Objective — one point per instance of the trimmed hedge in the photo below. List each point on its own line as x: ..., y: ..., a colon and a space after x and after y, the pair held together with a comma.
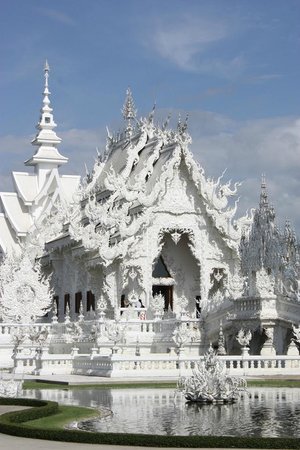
x: 13, y: 423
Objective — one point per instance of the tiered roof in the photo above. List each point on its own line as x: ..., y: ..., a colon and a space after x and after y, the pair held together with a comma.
x: 37, y: 192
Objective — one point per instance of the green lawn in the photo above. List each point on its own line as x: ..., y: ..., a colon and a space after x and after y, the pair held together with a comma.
x: 65, y: 415
x: 154, y: 384
x: 274, y: 383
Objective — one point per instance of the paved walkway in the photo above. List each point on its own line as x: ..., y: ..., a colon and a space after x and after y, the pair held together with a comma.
x: 87, y: 379
x: 11, y: 408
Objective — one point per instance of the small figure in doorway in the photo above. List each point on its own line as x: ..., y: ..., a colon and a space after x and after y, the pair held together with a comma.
x: 198, y: 307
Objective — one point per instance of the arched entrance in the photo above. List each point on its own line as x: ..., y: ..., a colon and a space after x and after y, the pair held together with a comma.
x: 176, y: 273
x: 164, y: 284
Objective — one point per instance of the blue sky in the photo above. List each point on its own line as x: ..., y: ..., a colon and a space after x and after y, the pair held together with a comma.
x: 233, y: 65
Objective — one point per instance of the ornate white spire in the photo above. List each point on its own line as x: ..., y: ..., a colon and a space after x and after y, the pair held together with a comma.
x: 46, y: 124
x: 263, y: 247
x: 46, y: 138
x: 264, y: 202
x: 129, y: 111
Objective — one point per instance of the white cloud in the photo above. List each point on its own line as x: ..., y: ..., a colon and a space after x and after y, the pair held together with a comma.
x: 187, y: 41
x: 58, y: 16
x: 79, y: 145
x: 248, y: 149
x: 179, y: 42
x: 13, y: 145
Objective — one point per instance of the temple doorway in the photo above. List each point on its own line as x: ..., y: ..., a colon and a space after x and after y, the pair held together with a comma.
x: 167, y: 292
x: 176, y: 274
x: 163, y: 283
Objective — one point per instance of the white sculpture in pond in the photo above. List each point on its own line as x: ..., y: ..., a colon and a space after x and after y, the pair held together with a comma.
x: 210, y: 383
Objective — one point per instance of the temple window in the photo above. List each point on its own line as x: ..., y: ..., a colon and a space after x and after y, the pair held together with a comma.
x: 90, y: 301
x: 56, y: 300
x: 78, y: 298
x: 67, y: 302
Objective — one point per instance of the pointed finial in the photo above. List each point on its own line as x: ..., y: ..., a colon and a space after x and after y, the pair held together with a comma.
x: 46, y: 71
x: 151, y: 115
x: 46, y: 66
x: 129, y: 111
x: 263, y: 193
x: 46, y: 139
x: 179, y: 122
x: 185, y: 124
x: 186, y: 119
x: 109, y: 135
x: 166, y: 122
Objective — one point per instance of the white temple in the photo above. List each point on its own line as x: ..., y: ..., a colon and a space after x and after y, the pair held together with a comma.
x: 147, y: 260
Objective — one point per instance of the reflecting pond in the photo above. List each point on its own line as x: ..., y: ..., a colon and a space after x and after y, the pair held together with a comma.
x: 270, y: 412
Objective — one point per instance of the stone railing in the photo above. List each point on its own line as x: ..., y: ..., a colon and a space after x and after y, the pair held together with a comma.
x: 43, y: 363
x: 144, y: 325
x: 153, y: 365
x: 170, y: 367
x: 8, y: 328
x: 247, y: 304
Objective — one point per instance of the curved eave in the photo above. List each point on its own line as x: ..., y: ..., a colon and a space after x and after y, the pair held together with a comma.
x: 8, y: 239
x: 26, y: 186
x: 16, y: 213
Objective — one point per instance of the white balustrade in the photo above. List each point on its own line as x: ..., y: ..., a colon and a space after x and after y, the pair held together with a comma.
x: 34, y: 359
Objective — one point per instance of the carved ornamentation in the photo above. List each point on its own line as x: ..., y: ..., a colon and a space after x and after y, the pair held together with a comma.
x: 265, y: 284
x: 25, y: 293
x: 157, y: 304
x: 181, y: 335
x: 244, y: 337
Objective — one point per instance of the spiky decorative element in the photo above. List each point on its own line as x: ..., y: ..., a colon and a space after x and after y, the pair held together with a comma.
x: 158, y: 303
x: 244, y: 337
x: 129, y: 111
x: 210, y: 383
x: 181, y: 335
x: 25, y: 295
x: 262, y: 247
x: 271, y: 254
x: 221, y: 341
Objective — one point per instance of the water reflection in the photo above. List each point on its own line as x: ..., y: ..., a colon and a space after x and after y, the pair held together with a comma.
x: 266, y: 412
